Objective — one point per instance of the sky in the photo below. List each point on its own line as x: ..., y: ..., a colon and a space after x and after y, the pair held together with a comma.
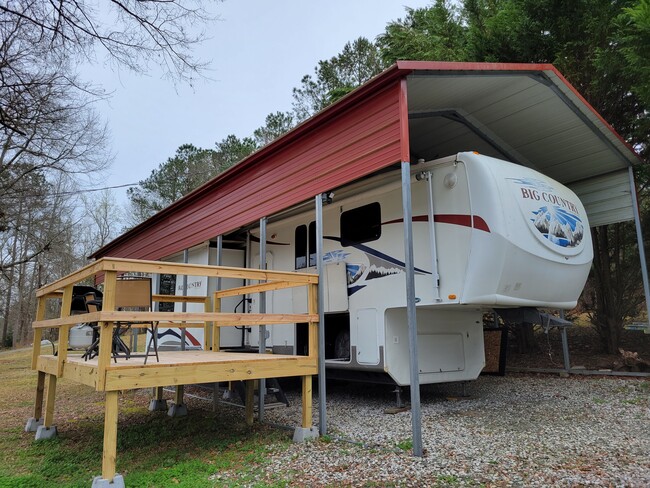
x: 258, y: 51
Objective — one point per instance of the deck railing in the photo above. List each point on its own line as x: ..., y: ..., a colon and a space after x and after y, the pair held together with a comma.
x: 211, y: 319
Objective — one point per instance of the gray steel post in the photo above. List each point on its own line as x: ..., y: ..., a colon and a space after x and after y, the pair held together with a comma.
x: 565, y: 345
x: 219, y: 263
x: 416, y: 415
x: 639, y: 238
x: 262, y: 329
x: 186, y: 259
x: 219, y: 257
x: 215, y: 390
x: 322, y: 412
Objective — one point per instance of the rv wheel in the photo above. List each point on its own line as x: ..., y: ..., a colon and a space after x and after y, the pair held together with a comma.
x: 342, y: 345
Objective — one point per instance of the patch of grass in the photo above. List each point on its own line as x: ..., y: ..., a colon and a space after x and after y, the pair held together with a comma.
x: 153, y: 449
x: 405, y: 445
x: 448, y: 479
x: 599, y: 401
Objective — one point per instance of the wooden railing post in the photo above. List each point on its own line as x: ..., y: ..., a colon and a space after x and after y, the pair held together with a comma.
x: 106, y: 329
x: 216, y: 330
x: 64, y: 330
x: 38, y: 333
x: 207, y: 328
x: 313, y: 325
x: 312, y: 307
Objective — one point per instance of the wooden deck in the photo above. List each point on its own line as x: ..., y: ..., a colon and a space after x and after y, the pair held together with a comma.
x: 179, y: 368
x: 175, y: 368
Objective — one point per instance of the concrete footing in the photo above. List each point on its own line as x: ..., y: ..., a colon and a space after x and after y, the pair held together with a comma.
x: 33, y: 424
x: 157, y: 405
x: 43, y: 433
x: 99, y: 482
x: 302, y: 434
x: 179, y: 410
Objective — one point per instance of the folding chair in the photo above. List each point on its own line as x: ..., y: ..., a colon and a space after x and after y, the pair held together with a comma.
x: 134, y: 294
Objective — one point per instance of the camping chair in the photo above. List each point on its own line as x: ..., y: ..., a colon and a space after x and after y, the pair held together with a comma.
x: 134, y: 294
x: 93, y: 303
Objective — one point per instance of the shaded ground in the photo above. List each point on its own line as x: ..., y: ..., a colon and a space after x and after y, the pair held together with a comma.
x: 584, y: 349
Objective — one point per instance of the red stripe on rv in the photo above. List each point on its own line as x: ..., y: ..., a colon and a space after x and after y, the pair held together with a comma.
x: 192, y: 338
x: 453, y: 219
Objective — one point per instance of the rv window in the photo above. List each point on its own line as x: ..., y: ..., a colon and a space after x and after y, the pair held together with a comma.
x: 301, y: 246
x: 312, y: 244
x: 362, y: 224
x: 166, y: 287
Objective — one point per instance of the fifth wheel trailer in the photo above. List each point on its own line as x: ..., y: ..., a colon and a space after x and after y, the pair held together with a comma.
x: 487, y: 234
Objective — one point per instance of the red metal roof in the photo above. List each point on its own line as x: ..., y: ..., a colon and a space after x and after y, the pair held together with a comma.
x: 328, y: 150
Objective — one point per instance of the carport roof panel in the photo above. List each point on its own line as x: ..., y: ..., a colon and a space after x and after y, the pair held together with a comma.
x: 531, y: 112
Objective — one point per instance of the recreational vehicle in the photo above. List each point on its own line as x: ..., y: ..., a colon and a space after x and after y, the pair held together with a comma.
x: 487, y: 234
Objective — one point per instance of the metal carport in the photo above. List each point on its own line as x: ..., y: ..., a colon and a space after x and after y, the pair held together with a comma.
x: 525, y: 113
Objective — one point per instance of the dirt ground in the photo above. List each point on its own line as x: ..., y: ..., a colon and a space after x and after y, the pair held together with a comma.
x: 584, y: 349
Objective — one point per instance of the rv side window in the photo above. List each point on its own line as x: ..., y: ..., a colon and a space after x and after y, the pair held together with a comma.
x: 362, y: 224
x: 301, y: 246
x: 166, y: 286
x: 312, y: 244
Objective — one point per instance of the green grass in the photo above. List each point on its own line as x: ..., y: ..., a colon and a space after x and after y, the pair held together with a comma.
x: 205, y: 449
x: 405, y: 445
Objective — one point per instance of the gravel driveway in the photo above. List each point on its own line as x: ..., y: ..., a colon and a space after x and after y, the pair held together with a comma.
x: 519, y: 430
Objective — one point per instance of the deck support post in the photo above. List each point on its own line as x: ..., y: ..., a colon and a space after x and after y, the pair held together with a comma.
x: 157, y: 402
x: 37, y: 420
x: 249, y: 403
x: 48, y: 430
x: 178, y: 408
x: 306, y: 431
x: 109, y: 477
x: 416, y: 416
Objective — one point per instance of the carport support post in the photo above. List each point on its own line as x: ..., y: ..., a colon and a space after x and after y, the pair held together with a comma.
x: 639, y: 238
x: 262, y: 329
x: 416, y: 415
x: 322, y: 413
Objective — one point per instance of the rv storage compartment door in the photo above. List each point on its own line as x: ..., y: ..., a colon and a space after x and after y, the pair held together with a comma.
x: 367, y: 340
x: 440, y: 353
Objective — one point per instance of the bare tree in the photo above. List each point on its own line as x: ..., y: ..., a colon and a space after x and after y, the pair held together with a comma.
x: 50, y: 137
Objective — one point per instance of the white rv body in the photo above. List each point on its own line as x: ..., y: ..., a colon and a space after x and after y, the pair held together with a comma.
x: 504, y: 236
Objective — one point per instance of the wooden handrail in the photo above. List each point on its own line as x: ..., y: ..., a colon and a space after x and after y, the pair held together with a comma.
x: 133, y: 265
x: 251, y: 289
x: 196, y: 317
x: 178, y: 298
